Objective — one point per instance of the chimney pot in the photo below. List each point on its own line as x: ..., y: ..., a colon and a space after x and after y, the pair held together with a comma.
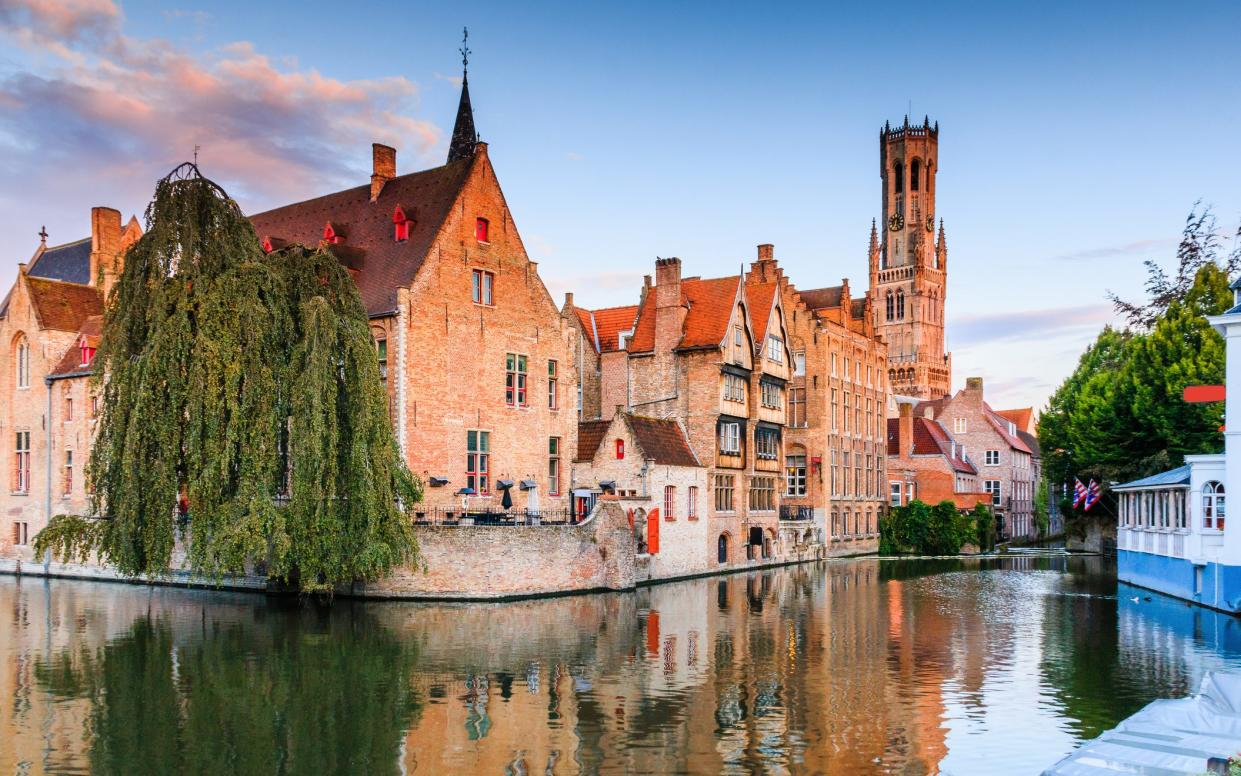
x: 667, y: 271
x: 766, y: 252
x: 973, y: 383
x: 568, y: 299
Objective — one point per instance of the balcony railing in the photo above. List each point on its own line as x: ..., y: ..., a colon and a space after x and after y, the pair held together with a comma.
x: 450, y: 516
x: 796, y: 512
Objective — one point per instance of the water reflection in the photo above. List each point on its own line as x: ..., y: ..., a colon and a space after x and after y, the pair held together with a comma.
x: 908, y: 667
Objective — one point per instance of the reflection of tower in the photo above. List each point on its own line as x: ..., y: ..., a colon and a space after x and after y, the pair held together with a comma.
x: 909, y: 263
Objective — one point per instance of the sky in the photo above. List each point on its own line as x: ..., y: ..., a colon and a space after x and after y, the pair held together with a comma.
x: 1074, y: 137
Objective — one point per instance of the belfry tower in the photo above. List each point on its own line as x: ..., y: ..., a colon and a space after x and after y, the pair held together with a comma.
x: 909, y: 263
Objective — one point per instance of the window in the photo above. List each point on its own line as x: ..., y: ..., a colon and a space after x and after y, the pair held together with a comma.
x: 835, y: 410
x: 381, y: 353
x: 898, y: 178
x: 896, y: 493
x: 553, y: 385
x: 959, y: 425
x: 331, y: 235
x: 620, y: 449
x: 670, y: 503
x: 992, y: 457
x: 400, y: 225
x: 795, y: 475
x: 738, y: 338
x: 846, y: 427
x: 730, y: 438
x: 88, y: 353
x: 799, y: 363
x: 889, y: 305
x: 734, y: 388
x: 1213, y: 506
x: 915, y: 169
x: 483, y: 284
x: 767, y: 444
x: 724, y: 488
x: 94, y: 406
x: 481, y: 230
x: 844, y: 524
x: 992, y: 487
x: 23, y: 362
x: 478, y: 461
x: 514, y: 380
x: 763, y: 494
x: 21, y: 533
x: 553, y: 466
x: 68, y: 408
x: 900, y: 304
x: 797, y: 407
x: 775, y: 349
x: 691, y: 503
x: 68, y: 472
x: 21, y: 479
x: 770, y: 393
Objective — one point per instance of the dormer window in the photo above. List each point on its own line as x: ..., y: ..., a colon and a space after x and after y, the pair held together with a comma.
x: 267, y: 248
x: 481, y: 230
x: 88, y: 353
x: 620, y: 449
x: 400, y: 225
x: 330, y: 234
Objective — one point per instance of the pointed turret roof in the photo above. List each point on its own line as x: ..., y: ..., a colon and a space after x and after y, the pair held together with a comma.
x: 464, y: 136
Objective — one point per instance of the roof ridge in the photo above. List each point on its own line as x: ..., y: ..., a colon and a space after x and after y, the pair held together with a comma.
x: 365, y: 186
x: 68, y: 244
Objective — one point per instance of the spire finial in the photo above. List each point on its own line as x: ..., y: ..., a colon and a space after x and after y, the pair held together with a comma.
x: 464, y: 136
x: 43, y: 236
x: 465, y: 49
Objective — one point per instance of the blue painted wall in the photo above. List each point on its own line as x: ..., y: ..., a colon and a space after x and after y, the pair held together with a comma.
x: 1220, y: 587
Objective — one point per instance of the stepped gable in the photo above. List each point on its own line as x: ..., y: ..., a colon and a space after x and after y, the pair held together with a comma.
x: 379, y: 263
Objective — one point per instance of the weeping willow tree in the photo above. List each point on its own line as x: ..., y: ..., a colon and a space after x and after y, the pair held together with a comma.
x: 245, y: 385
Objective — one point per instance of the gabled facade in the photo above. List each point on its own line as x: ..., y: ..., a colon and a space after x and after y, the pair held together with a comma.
x: 926, y: 463
x: 659, y: 481
x: 1008, y: 466
x: 49, y: 329
x: 836, y: 454
x: 479, y: 364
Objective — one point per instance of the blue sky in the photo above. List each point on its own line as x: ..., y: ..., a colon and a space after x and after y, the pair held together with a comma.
x: 1074, y: 140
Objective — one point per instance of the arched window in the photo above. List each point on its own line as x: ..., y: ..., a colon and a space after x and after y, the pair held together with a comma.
x: 900, y: 304
x: 400, y: 225
x: 915, y: 170
x: 21, y: 360
x: 1213, y: 506
x: 721, y: 548
x: 891, y: 306
x: 898, y: 178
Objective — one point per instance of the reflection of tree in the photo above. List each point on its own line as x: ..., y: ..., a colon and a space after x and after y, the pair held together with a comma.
x: 311, y: 692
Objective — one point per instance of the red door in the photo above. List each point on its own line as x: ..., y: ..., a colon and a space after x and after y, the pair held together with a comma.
x: 652, y: 531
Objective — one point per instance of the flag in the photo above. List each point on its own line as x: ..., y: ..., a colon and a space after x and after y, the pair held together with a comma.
x: 1093, y: 493
x: 1079, y: 492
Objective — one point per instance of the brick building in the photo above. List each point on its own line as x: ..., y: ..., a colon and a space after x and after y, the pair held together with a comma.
x: 479, y: 363
x: 908, y: 266
x: 49, y: 329
x: 1007, y: 458
x: 598, y: 341
x: 835, y: 454
x: 660, y: 482
x: 925, y: 463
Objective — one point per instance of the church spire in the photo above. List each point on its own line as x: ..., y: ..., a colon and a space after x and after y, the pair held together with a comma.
x: 464, y: 136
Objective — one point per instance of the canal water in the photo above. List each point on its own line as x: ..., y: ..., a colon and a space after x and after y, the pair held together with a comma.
x: 861, y: 666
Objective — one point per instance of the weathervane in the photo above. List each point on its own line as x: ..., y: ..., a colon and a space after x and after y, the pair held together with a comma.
x: 465, y: 48
x: 43, y: 235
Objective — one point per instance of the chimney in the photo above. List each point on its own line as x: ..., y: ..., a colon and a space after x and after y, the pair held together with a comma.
x: 568, y: 300
x: 105, y: 243
x: 766, y: 252
x: 383, y: 167
x: 973, y: 391
x: 669, y: 311
x: 906, y: 441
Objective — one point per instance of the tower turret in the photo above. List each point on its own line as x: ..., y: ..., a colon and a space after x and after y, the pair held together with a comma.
x: 464, y: 136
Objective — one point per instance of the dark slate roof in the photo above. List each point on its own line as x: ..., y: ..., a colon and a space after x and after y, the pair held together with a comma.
x: 69, y: 262
x: 71, y: 362
x: 819, y: 298
x: 662, y: 441
x: 1176, y: 477
x: 1031, y: 442
x: 381, y: 263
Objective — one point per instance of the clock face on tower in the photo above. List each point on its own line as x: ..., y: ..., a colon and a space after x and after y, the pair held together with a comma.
x: 896, y: 222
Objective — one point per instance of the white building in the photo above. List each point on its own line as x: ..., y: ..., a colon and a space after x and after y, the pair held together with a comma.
x: 1172, y: 535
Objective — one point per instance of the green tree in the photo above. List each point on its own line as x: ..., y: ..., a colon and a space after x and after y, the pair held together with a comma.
x: 1041, y: 517
x: 918, y: 528
x: 247, y: 384
x: 984, y: 526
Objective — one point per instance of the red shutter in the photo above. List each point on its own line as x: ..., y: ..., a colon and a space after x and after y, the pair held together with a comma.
x: 652, y: 532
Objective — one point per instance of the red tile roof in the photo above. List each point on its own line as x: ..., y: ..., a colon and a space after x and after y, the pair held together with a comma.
x: 1000, y: 424
x: 662, y: 441
x: 63, y: 306
x: 1020, y: 417
x: 706, y: 322
x: 603, y: 326
x: 383, y: 264
x: 820, y: 298
x: 930, y: 438
x: 762, y: 297
x: 71, y: 362
x: 590, y: 434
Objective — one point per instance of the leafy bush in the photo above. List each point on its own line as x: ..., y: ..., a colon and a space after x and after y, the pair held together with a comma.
x: 918, y: 528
